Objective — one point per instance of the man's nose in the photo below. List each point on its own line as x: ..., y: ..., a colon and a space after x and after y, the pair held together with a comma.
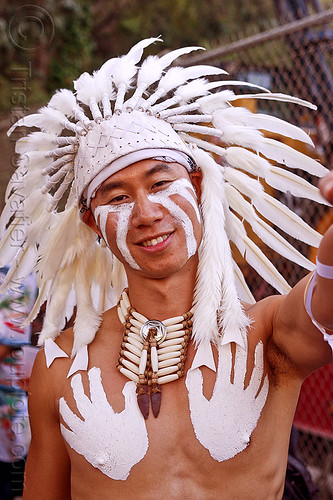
x: 146, y: 212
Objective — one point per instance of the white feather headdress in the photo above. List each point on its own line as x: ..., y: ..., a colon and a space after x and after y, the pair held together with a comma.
x: 123, y: 107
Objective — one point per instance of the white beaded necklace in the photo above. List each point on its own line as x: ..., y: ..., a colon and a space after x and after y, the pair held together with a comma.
x: 152, y: 353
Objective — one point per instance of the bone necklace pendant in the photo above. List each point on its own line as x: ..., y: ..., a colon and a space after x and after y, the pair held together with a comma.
x: 152, y: 352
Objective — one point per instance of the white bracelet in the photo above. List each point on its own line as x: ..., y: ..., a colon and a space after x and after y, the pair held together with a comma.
x: 308, y: 299
x: 324, y: 271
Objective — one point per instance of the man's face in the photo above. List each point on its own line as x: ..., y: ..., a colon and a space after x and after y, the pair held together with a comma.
x: 148, y: 215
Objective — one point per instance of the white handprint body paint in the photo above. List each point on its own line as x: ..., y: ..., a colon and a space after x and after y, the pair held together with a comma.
x: 116, y: 442
x: 124, y: 212
x: 224, y: 423
x: 111, y: 442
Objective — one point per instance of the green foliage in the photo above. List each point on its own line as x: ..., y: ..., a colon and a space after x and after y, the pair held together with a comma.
x: 73, y: 46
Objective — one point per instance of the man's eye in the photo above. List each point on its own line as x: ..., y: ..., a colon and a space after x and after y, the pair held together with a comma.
x: 118, y: 199
x: 161, y: 184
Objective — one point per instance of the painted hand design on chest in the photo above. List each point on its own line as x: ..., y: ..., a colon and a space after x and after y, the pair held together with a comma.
x: 124, y: 212
x: 224, y: 423
x: 111, y: 442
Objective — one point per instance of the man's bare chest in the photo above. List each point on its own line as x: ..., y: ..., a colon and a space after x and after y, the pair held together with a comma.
x: 101, y: 420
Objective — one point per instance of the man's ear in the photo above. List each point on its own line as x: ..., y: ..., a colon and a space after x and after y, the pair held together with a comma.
x: 89, y: 219
x: 196, y: 179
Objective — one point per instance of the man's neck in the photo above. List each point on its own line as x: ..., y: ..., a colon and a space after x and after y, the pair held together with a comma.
x: 163, y: 298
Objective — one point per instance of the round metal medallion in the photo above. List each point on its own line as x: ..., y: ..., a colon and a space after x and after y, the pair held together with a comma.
x: 160, y: 328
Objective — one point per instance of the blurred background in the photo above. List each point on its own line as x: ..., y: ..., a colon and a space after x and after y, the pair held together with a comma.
x: 283, y: 45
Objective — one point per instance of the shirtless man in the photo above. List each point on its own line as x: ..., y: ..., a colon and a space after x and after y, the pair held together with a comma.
x: 165, y: 410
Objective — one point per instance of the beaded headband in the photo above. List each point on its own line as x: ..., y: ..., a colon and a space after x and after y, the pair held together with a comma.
x: 122, y: 108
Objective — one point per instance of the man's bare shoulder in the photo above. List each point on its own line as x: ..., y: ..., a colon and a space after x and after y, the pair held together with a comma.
x: 262, y: 315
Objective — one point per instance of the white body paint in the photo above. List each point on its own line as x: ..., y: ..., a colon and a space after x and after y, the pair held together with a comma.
x: 111, y: 442
x: 125, y: 210
x: 224, y: 423
x: 115, y: 442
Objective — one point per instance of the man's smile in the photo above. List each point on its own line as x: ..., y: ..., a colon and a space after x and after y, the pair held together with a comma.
x: 154, y: 241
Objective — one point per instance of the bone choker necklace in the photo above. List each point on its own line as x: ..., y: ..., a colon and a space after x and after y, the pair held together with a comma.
x: 152, y: 352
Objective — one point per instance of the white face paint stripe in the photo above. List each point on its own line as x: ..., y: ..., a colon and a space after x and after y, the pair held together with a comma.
x: 124, y: 212
x: 124, y: 215
x: 179, y: 214
x: 180, y: 187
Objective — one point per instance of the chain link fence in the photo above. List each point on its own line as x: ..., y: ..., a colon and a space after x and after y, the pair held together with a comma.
x: 297, y: 59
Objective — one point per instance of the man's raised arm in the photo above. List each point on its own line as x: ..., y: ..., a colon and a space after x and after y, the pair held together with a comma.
x: 303, y: 327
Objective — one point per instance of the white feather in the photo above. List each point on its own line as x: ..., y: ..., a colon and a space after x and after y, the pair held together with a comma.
x: 193, y: 89
x: 57, y: 300
x: 246, y: 160
x: 197, y: 129
x: 256, y: 258
x: 15, y: 235
x: 276, y: 97
x: 36, y: 141
x: 39, y: 227
x: 242, y: 116
x: 59, y: 242
x: 215, y: 289
x: 286, y: 155
x: 102, y: 275
x: 135, y: 53
x: 285, y: 181
x: 85, y: 87
x: 49, y: 330
x: 177, y: 76
x: 213, y: 102
x: 272, y: 209
x: 47, y: 119
x: 265, y: 232
x: 20, y: 268
x: 124, y: 68
x: 8, y: 244
x: 43, y: 292
x: 87, y: 319
x: 245, y: 136
x: 237, y: 83
x: 168, y: 58
x: 205, y: 145
x: 150, y: 71
x: 242, y: 288
x: 64, y: 101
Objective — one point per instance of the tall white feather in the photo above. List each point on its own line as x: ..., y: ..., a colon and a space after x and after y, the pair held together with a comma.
x: 151, y: 71
x: 284, y: 154
x: 272, y: 209
x: 243, y: 116
x: 87, y: 319
x: 215, y: 294
x: 272, y: 96
x: 265, y: 232
x: 256, y: 258
x: 242, y: 288
x: 177, y: 76
x: 47, y: 119
x: 124, y: 69
x: 213, y: 102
